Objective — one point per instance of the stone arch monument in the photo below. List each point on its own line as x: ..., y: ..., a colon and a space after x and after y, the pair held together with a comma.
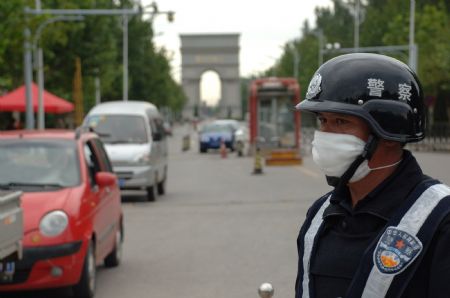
x: 217, y: 52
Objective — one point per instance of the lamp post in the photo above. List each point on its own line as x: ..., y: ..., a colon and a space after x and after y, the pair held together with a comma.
x: 331, y: 47
x: 170, y: 17
x: 320, y: 38
x: 40, y: 63
x: 412, y: 46
x: 97, y: 86
x: 125, y: 58
x: 356, y: 31
x: 27, y: 55
x: 28, y: 75
x: 296, y: 61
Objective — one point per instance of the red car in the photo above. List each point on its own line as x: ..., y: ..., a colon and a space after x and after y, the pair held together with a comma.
x: 71, y: 203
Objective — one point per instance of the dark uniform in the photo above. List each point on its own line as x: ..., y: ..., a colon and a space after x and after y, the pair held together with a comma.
x: 395, y: 242
x: 347, y: 232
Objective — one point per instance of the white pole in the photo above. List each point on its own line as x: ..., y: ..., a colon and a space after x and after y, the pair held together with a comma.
x: 28, y: 73
x: 40, y: 70
x: 356, y: 31
x: 97, y: 90
x: 320, y: 47
x: 125, y: 58
x: 412, y: 63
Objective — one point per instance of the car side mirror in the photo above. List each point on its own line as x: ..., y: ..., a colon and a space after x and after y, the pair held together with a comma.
x: 105, y: 179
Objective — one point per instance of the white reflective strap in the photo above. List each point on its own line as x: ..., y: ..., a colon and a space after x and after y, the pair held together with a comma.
x: 378, y: 283
x: 308, y: 245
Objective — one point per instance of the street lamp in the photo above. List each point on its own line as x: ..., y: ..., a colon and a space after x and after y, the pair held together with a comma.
x: 27, y: 55
x: 155, y: 11
x: 412, y: 46
x: 356, y: 29
x: 320, y: 38
x: 333, y: 46
x: 170, y: 17
x: 40, y: 63
x: 296, y: 60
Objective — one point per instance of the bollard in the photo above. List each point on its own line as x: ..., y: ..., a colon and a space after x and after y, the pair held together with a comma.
x: 240, y: 148
x: 257, y: 167
x: 223, y: 149
x: 186, y: 143
x: 266, y: 290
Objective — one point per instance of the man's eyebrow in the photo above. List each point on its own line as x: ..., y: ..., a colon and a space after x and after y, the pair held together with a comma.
x: 335, y: 115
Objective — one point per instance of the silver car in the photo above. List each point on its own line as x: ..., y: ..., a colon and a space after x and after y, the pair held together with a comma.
x: 135, y: 140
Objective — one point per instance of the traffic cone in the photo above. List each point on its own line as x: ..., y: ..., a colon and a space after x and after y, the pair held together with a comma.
x: 223, y: 149
x: 257, y: 168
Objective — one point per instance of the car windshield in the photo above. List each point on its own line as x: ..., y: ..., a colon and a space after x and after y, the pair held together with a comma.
x: 117, y: 129
x: 215, y: 127
x: 233, y: 124
x: 26, y: 164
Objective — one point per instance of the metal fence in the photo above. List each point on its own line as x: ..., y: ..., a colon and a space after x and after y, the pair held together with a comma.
x: 437, y: 138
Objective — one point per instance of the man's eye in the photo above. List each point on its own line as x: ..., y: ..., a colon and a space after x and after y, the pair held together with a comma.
x: 341, y: 121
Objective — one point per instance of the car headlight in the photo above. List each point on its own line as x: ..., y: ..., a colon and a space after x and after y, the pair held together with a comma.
x: 143, y: 158
x: 53, y: 223
x: 204, y: 138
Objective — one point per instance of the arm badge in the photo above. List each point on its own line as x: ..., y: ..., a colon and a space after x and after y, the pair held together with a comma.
x: 395, y: 251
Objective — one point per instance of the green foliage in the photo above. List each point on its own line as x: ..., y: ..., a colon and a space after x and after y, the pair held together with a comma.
x: 97, y: 40
x: 383, y: 23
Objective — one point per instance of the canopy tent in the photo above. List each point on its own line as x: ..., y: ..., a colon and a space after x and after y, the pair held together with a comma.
x: 15, y: 101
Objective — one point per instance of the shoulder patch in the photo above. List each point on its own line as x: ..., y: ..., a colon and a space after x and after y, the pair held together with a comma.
x: 395, y: 251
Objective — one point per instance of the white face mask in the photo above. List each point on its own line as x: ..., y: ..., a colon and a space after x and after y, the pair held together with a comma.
x: 334, y: 153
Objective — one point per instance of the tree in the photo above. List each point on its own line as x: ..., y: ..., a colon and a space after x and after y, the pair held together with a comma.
x: 97, y: 40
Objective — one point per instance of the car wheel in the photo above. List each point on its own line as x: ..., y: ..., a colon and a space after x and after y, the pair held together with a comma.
x: 114, y: 258
x: 162, y: 187
x: 152, y: 191
x: 85, y: 288
x: 203, y: 149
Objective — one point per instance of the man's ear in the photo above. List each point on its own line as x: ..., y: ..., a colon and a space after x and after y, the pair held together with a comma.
x: 392, y: 146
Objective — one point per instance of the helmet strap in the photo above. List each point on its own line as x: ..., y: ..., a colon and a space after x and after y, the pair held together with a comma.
x: 369, y: 149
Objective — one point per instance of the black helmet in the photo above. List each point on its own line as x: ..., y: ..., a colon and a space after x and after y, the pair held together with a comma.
x: 380, y: 89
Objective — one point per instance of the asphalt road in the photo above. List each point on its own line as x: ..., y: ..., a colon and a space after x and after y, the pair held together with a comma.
x: 219, y: 231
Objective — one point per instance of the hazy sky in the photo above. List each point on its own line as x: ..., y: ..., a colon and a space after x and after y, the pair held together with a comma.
x: 264, y: 26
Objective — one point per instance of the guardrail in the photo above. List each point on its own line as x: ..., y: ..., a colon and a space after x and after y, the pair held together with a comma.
x: 437, y: 138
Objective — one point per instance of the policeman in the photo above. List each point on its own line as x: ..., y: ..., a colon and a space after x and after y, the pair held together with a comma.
x: 384, y: 229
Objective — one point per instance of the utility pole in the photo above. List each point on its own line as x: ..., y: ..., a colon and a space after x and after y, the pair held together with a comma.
x: 320, y: 36
x: 296, y: 60
x: 412, y: 47
x: 40, y: 63
x: 28, y: 74
x: 97, y: 87
x: 356, y: 31
x: 61, y: 12
x: 125, y: 58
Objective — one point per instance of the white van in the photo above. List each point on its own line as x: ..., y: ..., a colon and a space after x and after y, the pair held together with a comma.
x: 134, y: 138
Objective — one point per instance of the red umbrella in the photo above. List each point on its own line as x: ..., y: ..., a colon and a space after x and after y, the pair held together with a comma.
x: 15, y: 101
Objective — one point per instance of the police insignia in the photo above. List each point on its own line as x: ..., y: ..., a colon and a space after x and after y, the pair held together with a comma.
x: 395, y: 251
x: 314, y: 86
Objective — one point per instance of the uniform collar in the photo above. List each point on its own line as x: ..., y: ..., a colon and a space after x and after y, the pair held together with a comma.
x: 386, y: 197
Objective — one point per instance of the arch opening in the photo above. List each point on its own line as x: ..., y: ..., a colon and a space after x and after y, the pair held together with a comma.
x: 210, y: 88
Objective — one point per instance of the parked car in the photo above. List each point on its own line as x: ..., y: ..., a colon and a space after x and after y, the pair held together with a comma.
x: 11, y: 230
x: 167, y: 128
x: 135, y: 139
x: 240, y: 131
x: 73, y: 220
x: 212, y: 134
